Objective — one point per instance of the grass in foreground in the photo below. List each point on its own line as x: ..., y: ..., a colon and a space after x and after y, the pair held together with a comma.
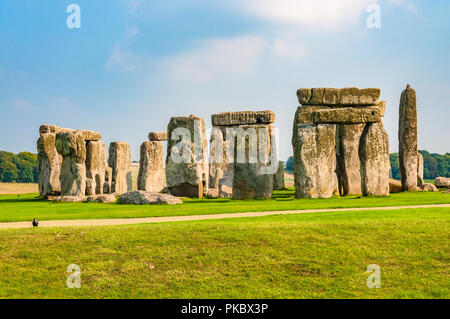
x: 27, y: 207
x: 321, y: 255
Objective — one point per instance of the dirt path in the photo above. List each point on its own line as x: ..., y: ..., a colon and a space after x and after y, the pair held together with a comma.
x: 131, y: 221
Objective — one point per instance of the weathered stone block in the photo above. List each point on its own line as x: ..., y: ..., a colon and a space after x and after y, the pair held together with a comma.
x: 347, y: 115
x: 375, y: 163
x: 70, y: 144
x: 304, y: 114
x: 339, y: 97
x: 49, y: 165
x: 314, y: 160
x: 186, y: 162
x: 442, y: 182
x: 278, y: 178
x: 119, y: 160
x: 408, y: 139
x: 152, y: 172
x: 420, y: 180
x: 348, y: 163
x: 242, y: 118
x: 157, y: 136
x: 96, y: 165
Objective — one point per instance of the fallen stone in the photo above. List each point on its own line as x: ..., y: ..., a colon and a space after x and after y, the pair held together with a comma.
x: 347, y: 115
x: 375, y: 162
x: 152, y: 172
x: 408, y: 139
x: 157, y: 136
x: 147, y: 198
x: 225, y: 188
x: 395, y: 186
x: 67, y: 199
x: 119, y: 160
x: 104, y: 198
x: 427, y: 187
x: 442, y: 182
x: 242, y: 118
x: 314, y: 160
x: 213, y: 193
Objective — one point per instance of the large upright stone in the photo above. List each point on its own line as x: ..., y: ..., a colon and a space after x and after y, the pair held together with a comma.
x: 221, y: 159
x: 186, y: 162
x: 348, y: 163
x: 70, y: 144
x: 49, y: 165
x: 278, y: 178
x: 253, y: 170
x: 152, y: 173
x: 119, y: 160
x: 408, y: 139
x: 96, y: 165
x: 420, y: 168
x: 375, y: 163
x: 314, y: 157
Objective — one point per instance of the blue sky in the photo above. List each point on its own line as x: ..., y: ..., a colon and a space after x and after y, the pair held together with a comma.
x: 135, y: 63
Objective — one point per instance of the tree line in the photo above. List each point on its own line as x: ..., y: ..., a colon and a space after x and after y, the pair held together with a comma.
x: 18, y: 168
x: 435, y: 165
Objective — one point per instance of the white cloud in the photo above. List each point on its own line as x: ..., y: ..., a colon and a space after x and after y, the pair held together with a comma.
x: 21, y: 104
x: 121, y: 60
x: 408, y: 4
x: 290, y: 47
x: 235, y: 56
x: 132, y: 5
x: 326, y: 15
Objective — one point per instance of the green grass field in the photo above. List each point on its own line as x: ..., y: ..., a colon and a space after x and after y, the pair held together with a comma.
x: 321, y: 255
x: 27, y: 207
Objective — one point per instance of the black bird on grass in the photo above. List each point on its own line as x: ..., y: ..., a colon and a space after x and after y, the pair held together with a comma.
x: 35, y: 223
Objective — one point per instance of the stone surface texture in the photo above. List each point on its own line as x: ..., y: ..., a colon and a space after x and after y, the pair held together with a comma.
x: 243, y: 118
x: 314, y: 160
x: 187, y: 158
x: 278, y: 178
x: 338, y: 97
x: 374, y: 160
x: 420, y: 180
x: 442, y: 182
x: 408, y: 139
x: 49, y: 165
x: 119, y: 160
x: 157, y: 136
x: 152, y: 172
x: 71, y: 145
x: 96, y: 165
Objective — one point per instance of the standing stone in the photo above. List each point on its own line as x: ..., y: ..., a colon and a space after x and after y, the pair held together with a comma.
x: 186, y: 162
x: 70, y: 144
x: 314, y: 159
x: 49, y: 165
x: 221, y: 168
x: 348, y: 163
x: 408, y: 139
x: 152, y: 173
x: 253, y: 177
x: 420, y: 180
x: 119, y: 160
x: 96, y: 165
x: 278, y: 178
x: 375, y: 164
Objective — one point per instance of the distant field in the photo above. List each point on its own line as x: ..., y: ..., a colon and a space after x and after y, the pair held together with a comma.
x: 322, y: 255
x: 13, y: 188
